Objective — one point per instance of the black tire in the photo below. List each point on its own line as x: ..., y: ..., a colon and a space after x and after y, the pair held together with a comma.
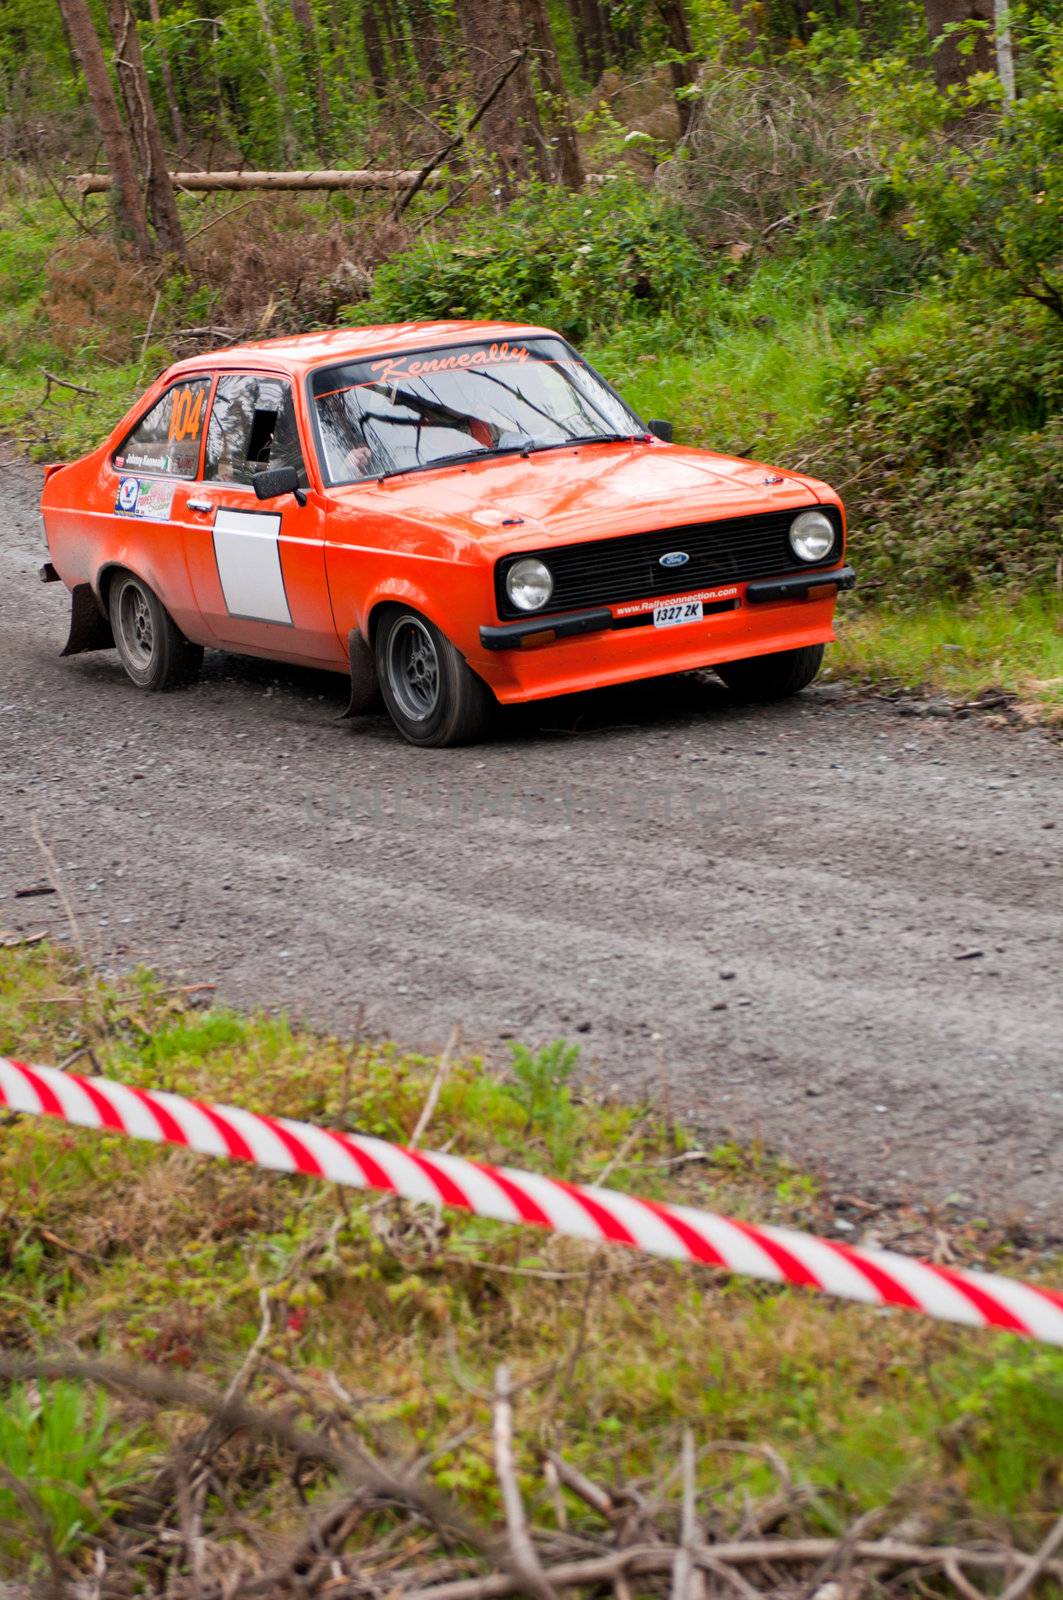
x: 432, y: 696
x: 773, y: 677
x: 152, y: 649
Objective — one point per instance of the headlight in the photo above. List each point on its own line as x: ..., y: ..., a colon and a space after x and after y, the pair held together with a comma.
x: 811, y: 536
x: 529, y: 584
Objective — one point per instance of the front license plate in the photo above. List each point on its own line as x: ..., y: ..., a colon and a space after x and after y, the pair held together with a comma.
x: 672, y: 616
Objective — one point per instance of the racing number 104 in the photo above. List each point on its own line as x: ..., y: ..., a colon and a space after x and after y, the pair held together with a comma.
x: 187, y: 409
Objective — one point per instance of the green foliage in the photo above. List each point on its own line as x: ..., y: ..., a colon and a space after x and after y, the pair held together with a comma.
x: 540, y: 1087
x: 572, y: 262
x: 993, y: 210
x: 943, y: 438
x: 61, y: 1444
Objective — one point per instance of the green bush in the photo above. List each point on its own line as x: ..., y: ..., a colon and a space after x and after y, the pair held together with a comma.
x: 573, y: 262
x: 946, y: 445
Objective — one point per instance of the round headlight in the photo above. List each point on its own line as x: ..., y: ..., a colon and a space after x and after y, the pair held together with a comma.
x: 529, y: 584
x: 812, y: 536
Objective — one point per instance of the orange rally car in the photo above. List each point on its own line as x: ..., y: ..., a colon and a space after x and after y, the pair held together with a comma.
x: 453, y: 513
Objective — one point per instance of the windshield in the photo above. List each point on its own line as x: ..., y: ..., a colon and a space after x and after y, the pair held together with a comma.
x: 402, y: 412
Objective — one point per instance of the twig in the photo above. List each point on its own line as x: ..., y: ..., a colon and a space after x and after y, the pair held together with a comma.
x: 960, y: 1582
x: 232, y: 212
x: 685, y: 1577
x: 147, y: 333
x: 167, y: 1389
x: 442, y: 1072
x: 459, y: 138
x: 590, y: 1493
x: 64, y: 383
x: 1039, y: 1564
x: 648, y: 1559
x: 526, y: 1563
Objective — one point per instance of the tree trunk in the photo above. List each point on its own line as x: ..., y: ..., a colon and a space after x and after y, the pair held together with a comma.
x: 128, y: 200
x: 177, y: 124
x: 511, y: 128
x: 683, y: 74
x: 952, y: 69
x: 427, y: 46
x: 592, y: 30
x: 1005, y: 58
x: 566, y: 149
x: 374, y: 48
x: 311, y: 55
x: 140, y: 112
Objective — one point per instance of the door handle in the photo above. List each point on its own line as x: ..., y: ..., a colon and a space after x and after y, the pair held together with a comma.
x: 200, y: 505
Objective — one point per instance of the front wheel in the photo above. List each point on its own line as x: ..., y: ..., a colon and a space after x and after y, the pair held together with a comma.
x: 773, y: 677
x: 151, y: 647
x: 432, y: 695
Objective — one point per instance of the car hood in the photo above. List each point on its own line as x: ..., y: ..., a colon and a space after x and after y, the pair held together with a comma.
x: 584, y: 492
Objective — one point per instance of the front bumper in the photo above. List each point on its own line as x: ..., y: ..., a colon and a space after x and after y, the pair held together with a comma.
x: 760, y: 591
x: 546, y: 656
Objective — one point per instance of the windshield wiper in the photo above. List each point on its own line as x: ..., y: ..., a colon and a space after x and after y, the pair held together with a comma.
x: 634, y: 437
x: 454, y: 461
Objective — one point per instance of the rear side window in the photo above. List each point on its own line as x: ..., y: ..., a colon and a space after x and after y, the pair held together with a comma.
x: 252, y: 426
x: 167, y: 439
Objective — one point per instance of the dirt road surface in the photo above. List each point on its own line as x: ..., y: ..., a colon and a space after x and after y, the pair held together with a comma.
x: 825, y: 925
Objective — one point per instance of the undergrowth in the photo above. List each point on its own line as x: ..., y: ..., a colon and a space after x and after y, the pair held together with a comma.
x: 113, y: 1248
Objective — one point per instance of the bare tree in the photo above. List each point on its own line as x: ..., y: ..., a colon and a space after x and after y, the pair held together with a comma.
x: 144, y: 125
x: 952, y: 66
x: 128, y: 200
x: 494, y: 41
x: 569, y: 169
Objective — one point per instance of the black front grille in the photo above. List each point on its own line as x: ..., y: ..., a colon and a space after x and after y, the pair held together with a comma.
x: 608, y: 571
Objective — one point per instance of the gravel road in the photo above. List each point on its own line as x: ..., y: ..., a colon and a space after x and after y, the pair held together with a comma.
x: 823, y: 924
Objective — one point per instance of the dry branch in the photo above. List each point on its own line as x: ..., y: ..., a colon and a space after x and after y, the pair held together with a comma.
x: 100, y: 182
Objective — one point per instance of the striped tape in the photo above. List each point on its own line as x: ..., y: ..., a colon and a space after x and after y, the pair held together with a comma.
x: 679, y: 1233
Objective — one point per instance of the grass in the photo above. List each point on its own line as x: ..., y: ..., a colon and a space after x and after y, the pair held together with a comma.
x: 1013, y: 644
x: 113, y: 1248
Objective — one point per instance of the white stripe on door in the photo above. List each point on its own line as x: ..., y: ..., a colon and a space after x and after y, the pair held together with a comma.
x: 247, y: 550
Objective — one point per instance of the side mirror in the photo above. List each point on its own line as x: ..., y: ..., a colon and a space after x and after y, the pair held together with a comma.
x: 661, y: 430
x: 277, y: 481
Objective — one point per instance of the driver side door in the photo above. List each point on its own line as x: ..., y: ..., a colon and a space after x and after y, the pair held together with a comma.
x: 258, y: 567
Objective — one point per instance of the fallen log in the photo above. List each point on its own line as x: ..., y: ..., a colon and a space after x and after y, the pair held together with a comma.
x: 100, y: 182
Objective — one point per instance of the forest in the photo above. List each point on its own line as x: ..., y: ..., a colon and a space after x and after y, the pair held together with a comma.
x: 828, y: 237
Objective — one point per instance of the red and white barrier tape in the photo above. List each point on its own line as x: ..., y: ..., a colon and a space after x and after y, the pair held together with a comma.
x: 782, y: 1255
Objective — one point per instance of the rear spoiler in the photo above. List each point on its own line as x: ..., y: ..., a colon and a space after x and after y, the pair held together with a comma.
x: 54, y: 466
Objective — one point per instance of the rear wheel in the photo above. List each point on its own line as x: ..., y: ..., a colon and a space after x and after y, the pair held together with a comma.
x: 152, y: 649
x: 432, y: 695
x: 773, y: 677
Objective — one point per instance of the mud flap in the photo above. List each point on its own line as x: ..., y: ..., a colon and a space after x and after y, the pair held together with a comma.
x: 365, y: 690
x: 89, y: 628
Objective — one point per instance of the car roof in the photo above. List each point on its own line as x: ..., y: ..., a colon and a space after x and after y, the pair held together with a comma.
x: 298, y: 353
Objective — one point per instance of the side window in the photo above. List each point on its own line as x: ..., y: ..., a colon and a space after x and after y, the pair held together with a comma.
x: 167, y: 439
x: 252, y: 426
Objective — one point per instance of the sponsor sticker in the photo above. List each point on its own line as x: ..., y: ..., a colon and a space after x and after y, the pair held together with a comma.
x: 392, y: 367
x: 704, y: 596
x: 151, y: 498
